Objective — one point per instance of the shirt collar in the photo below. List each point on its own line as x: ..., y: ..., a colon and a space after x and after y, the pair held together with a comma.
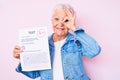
x: 69, y: 37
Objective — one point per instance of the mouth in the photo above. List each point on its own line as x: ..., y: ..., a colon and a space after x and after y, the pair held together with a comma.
x: 60, y: 28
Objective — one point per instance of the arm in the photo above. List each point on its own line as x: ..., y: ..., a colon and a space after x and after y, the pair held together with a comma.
x: 30, y: 74
x: 90, y: 47
x: 16, y: 54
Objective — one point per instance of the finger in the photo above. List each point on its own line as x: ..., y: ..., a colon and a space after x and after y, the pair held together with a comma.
x: 16, y: 56
x: 66, y: 19
x: 17, y: 47
x: 68, y: 12
x: 17, y: 51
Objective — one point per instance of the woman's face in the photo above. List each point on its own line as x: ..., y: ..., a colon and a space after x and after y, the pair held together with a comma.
x: 58, y: 23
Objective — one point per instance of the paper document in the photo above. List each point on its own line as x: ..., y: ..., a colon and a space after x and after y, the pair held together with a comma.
x: 34, y: 43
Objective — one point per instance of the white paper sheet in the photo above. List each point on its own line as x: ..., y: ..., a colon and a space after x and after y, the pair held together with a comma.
x: 34, y: 43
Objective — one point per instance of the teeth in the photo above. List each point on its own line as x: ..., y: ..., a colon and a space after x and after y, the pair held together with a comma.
x: 60, y: 28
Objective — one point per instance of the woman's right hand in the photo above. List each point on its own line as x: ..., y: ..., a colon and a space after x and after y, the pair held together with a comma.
x: 16, y: 52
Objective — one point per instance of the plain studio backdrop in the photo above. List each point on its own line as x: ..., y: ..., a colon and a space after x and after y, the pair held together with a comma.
x: 99, y: 18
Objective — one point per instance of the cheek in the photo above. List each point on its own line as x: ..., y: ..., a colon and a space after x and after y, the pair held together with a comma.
x: 67, y: 30
x: 54, y: 26
x: 54, y: 23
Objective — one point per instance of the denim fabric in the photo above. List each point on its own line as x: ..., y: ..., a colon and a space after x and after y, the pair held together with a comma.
x: 76, y: 45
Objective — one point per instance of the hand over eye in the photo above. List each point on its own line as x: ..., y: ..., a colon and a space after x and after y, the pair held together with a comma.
x: 69, y: 20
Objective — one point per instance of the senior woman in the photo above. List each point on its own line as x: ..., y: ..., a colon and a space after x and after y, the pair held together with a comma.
x: 66, y: 49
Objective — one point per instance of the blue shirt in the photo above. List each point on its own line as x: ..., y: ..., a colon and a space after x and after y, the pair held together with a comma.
x: 76, y: 45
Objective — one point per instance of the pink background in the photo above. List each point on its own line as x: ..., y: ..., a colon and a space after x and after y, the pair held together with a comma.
x: 100, y: 19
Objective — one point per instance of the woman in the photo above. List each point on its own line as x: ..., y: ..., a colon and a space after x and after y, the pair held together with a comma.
x: 66, y: 49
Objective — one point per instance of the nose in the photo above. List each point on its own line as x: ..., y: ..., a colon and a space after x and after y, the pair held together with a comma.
x: 60, y: 23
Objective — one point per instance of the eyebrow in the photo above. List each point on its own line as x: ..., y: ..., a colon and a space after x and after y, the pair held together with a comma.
x: 54, y: 16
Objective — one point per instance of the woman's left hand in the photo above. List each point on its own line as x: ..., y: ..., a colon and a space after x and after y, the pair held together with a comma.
x: 69, y: 20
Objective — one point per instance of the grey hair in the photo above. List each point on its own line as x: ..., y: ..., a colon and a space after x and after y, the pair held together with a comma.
x: 64, y: 6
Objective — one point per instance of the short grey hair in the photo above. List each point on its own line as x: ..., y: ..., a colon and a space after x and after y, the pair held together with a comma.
x: 64, y: 6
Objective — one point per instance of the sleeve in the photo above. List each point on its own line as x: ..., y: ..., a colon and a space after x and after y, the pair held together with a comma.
x: 90, y: 47
x: 30, y: 74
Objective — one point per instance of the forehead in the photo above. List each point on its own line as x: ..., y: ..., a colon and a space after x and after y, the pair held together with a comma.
x: 59, y: 13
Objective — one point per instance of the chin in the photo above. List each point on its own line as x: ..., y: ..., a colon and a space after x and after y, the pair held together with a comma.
x: 62, y: 35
